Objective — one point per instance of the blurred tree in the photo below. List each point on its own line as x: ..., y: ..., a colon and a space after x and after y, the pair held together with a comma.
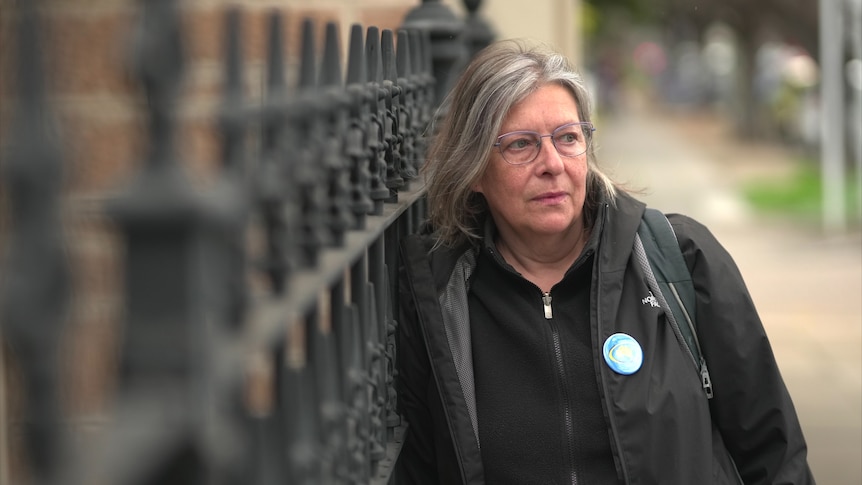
x: 792, y: 21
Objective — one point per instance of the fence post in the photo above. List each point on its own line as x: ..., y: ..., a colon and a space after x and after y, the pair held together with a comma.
x: 310, y: 184
x: 392, y: 134
x: 448, y: 51
x: 35, y: 291
x: 275, y: 190
x: 358, y: 144
x: 303, y: 431
x: 334, y: 123
x: 377, y: 134
x: 477, y: 31
x: 164, y: 382
x: 225, y: 294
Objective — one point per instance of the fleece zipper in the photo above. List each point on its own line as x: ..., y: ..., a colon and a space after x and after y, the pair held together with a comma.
x: 568, y: 420
x: 568, y: 411
x: 546, y: 303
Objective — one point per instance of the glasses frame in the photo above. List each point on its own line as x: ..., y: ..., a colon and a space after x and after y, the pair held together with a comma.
x: 588, y: 130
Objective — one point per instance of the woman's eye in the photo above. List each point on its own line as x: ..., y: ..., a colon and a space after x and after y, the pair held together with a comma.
x: 568, y: 138
x: 519, y: 144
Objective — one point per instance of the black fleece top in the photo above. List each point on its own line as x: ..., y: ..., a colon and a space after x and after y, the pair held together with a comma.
x: 539, y: 412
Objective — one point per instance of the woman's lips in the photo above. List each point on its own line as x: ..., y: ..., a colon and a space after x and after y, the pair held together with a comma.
x: 550, y: 197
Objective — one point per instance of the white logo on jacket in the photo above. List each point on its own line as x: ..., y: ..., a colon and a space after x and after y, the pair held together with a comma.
x: 651, y: 299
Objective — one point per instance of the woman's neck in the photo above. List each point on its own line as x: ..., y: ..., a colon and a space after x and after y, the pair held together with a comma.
x: 543, y: 262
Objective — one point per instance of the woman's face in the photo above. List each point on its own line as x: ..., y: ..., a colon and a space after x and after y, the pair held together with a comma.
x: 546, y: 196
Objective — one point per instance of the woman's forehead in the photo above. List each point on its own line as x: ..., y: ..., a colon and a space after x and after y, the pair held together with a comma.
x: 549, y: 106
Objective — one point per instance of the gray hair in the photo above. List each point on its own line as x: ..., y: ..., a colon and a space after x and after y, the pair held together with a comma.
x: 470, y: 118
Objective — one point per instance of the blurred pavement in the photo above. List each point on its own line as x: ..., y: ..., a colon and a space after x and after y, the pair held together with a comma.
x: 807, y: 285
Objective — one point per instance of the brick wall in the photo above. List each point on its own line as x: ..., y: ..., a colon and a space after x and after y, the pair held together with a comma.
x: 98, y: 111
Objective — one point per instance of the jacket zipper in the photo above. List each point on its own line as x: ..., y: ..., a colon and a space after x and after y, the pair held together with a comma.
x: 705, y: 379
x: 561, y: 373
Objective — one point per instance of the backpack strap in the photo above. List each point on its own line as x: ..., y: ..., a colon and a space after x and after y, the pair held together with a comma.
x: 668, y: 276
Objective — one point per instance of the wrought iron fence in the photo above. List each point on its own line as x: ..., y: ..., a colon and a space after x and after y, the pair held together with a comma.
x: 288, y: 262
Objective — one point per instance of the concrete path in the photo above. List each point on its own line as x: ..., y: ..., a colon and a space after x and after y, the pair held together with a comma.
x: 807, y: 285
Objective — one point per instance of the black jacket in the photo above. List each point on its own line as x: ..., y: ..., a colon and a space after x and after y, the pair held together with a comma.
x: 663, y: 429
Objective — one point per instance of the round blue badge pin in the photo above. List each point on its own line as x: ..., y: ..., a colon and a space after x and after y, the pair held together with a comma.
x: 623, y: 354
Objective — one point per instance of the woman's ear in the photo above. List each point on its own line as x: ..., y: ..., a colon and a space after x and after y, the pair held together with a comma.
x: 477, y: 186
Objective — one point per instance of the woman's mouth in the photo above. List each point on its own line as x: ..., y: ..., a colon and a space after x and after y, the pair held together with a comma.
x: 550, y: 197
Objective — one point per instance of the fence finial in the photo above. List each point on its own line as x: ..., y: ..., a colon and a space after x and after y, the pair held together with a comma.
x: 330, y: 69
x: 449, y: 52
x: 392, y: 133
x: 273, y: 183
x: 334, y: 111
x: 478, y: 32
x: 358, y: 143
x: 379, y: 193
x: 307, y: 69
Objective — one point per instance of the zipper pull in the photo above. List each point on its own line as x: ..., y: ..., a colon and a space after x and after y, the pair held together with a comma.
x: 705, y: 379
x: 546, y: 301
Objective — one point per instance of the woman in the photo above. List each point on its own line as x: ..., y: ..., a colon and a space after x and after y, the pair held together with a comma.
x: 525, y: 272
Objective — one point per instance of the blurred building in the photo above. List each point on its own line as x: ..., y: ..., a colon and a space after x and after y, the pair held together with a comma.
x: 556, y: 22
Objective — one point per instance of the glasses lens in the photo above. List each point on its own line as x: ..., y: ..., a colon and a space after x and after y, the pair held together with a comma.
x: 519, y: 147
x: 572, y: 140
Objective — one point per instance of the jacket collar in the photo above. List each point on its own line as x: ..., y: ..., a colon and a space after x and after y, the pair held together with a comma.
x: 618, y: 222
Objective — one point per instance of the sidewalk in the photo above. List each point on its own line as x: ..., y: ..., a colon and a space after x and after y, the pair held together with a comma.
x: 807, y: 286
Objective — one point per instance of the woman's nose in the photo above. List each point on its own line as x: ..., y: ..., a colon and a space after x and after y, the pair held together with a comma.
x: 549, y: 159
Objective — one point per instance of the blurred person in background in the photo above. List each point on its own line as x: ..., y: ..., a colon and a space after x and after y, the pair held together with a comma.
x: 523, y: 277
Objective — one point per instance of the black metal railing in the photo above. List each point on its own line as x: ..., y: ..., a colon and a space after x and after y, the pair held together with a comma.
x: 259, y: 311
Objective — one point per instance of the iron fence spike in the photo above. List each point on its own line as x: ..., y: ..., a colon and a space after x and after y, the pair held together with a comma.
x: 330, y: 70
x: 356, y: 65
x: 307, y: 77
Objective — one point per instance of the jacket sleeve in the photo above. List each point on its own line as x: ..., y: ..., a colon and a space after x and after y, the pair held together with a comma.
x: 416, y: 463
x: 752, y: 407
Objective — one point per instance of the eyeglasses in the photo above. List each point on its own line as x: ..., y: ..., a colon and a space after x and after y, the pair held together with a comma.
x: 522, y: 147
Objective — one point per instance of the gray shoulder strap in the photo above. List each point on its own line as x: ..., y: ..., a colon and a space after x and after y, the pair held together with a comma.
x: 667, y: 271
